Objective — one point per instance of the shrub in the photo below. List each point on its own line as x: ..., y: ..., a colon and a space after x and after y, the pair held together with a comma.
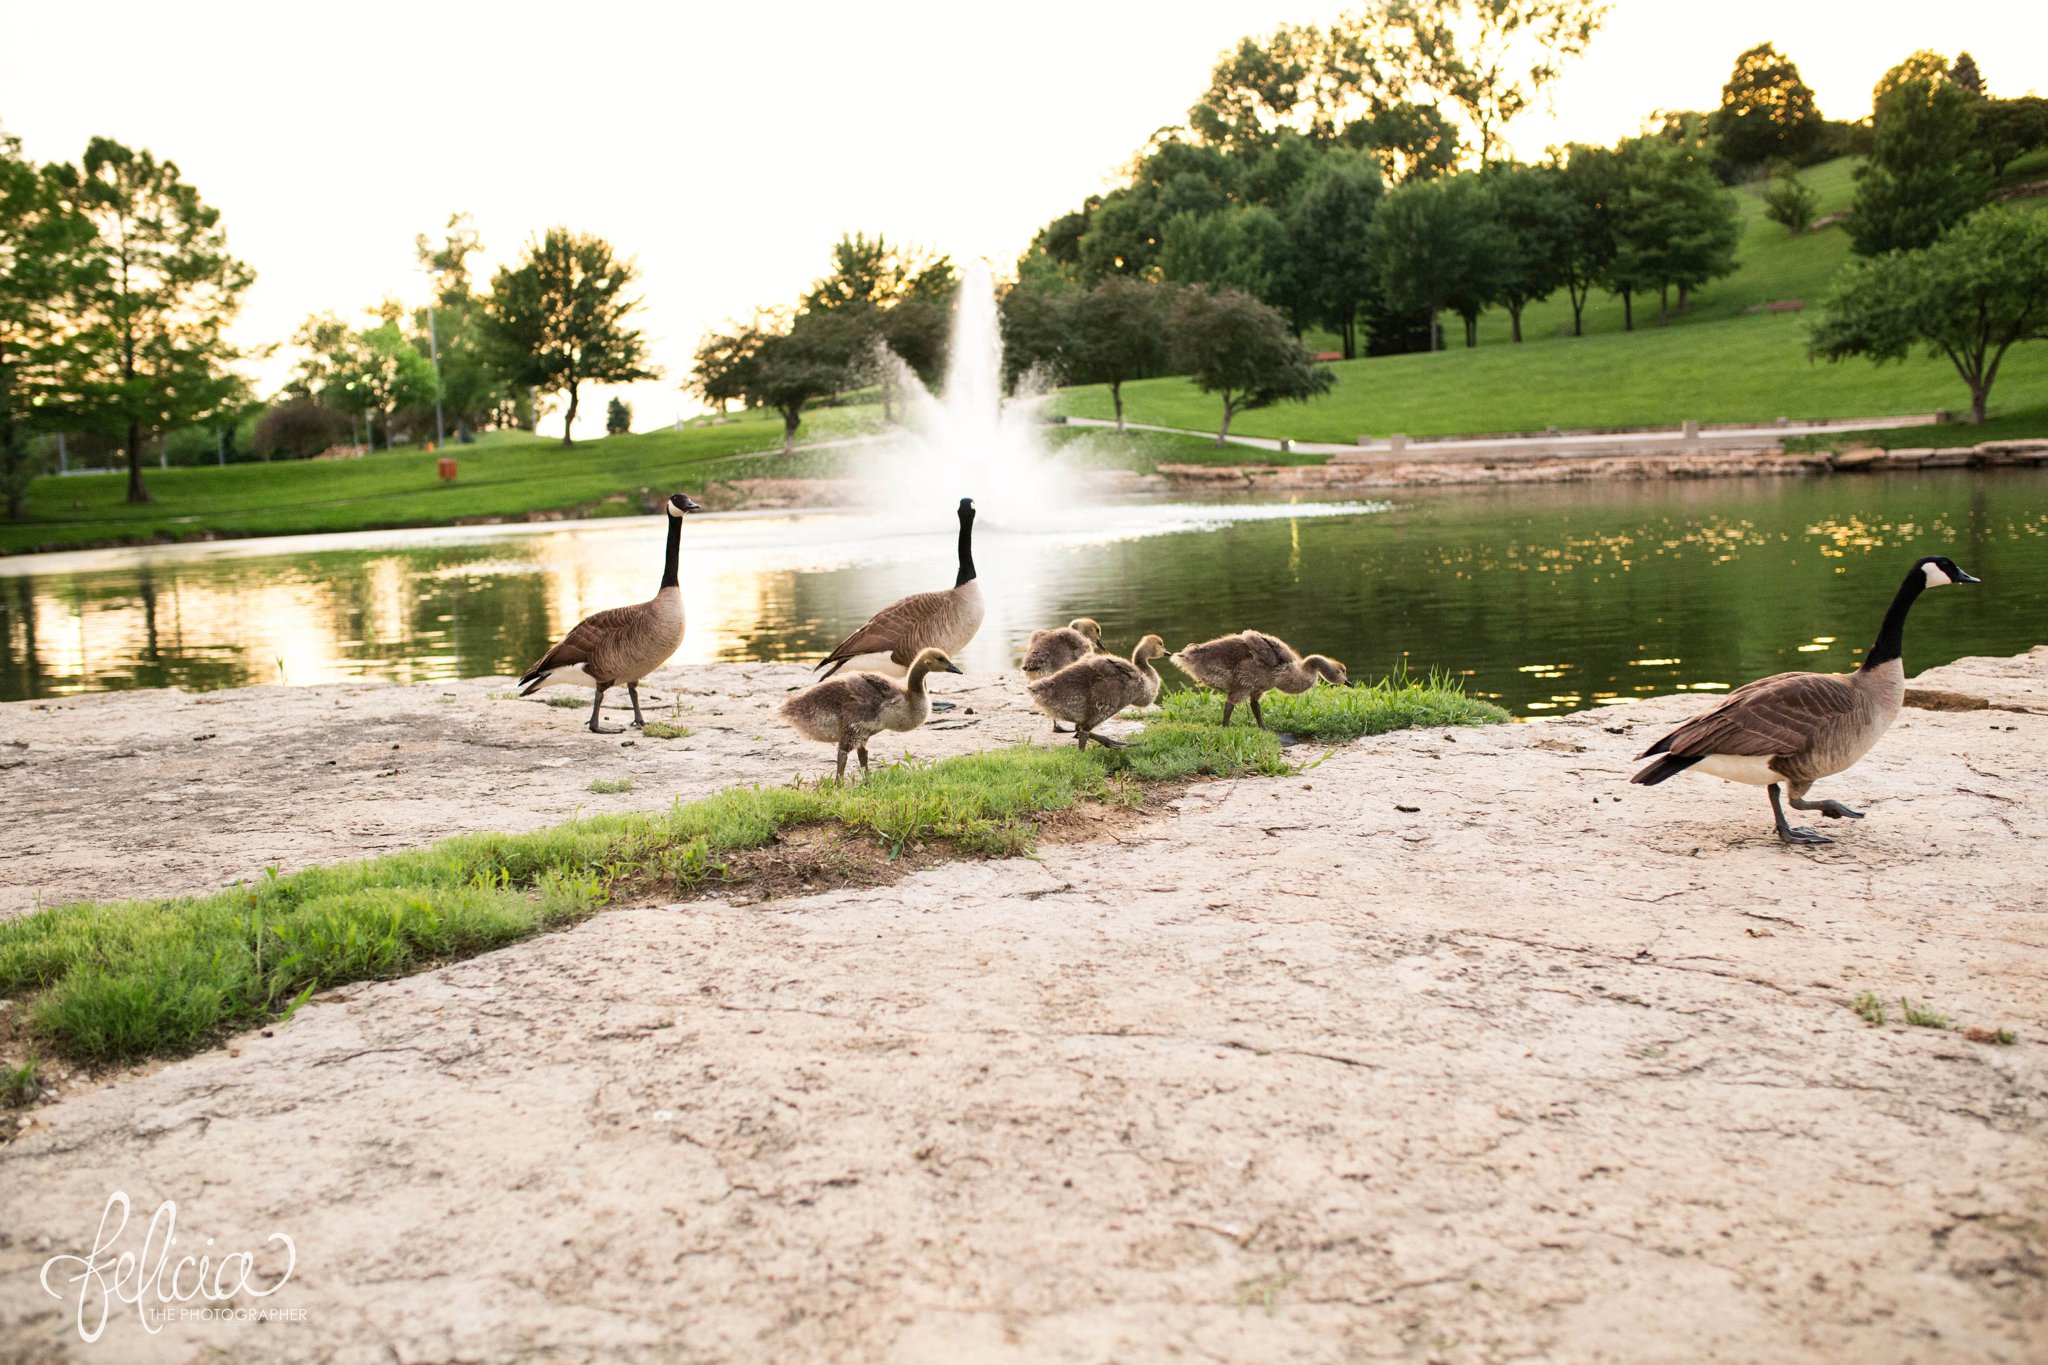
x: 297, y: 430
x: 1789, y: 202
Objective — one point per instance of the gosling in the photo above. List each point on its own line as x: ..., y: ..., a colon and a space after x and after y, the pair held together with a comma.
x: 1049, y: 651
x: 1246, y: 666
x: 1093, y: 689
x: 849, y: 710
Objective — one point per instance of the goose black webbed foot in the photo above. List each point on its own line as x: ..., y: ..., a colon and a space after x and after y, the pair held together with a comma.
x: 1105, y: 741
x: 1788, y: 833
x: 1833, y: 810
x: 1060, y: 729
x: 942, y: 706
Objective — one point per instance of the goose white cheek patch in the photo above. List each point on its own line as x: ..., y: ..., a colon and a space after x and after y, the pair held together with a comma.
x: 1935, y: 577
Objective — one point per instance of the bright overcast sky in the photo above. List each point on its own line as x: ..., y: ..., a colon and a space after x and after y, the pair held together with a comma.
x: 727, y: 145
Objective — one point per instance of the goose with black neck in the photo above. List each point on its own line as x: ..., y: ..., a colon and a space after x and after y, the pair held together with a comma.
x: 1793, y: 729
x: 946, y: 620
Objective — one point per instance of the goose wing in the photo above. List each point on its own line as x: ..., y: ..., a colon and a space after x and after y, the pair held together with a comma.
x: 584, y: 639
x: 1768, y: 718
x: 1266, y: 651
x: 1051, y: 649
x: 897, y: 630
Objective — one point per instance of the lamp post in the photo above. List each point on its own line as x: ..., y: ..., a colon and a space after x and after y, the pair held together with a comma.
x: 434, y: 353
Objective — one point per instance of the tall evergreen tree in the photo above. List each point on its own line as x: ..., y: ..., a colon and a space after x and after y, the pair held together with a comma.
x: 1926, y: 169
x: 1965, y: 74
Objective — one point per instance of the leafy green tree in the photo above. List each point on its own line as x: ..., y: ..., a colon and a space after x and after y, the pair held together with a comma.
x: 1677, y: 226
x: 868, y: 271
x: 1977, y: 292
x: 557, y: 320
x: 40, y: 235
x: 721, y: 370
x: 1789, y: 201
x: 1926, y: 170
x: 1243, y: 351
x: 153, y: 297
x: 296, y: 430
x: 369, y: 373
x: 472, y: 388
x: 1493, y: 58
x: 1329, y: 224
x: 1766, y: 110
x: 1965, y: 74
x: 2009, y: 129
x: 1245, y: 247
x: 1538, y: 218
x: 1036, y: 316
x: 816, y: 358
x: 1437, y: 245
x: 1595, y: 178
x: 1922, y: 68
x: 1118, y: 332
x: 1409, y: 140
x: 618, y: 418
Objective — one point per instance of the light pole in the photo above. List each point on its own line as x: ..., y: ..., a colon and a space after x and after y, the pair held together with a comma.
x: 434, y: 352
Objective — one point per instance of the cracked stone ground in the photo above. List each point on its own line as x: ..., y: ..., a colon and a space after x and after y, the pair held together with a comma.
x: 1550, y: 1066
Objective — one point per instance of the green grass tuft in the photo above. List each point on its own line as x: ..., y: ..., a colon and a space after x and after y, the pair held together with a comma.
x: 566, y: 703
x: 1871, y: 1008
x: 611, y: 786
x: 1919, y: 1016
x: 1338, y: 713
x: 661, y: 729
x: 118, y: 981
x: 19, y: 1085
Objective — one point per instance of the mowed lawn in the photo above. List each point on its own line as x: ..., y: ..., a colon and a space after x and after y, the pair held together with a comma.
x: 505, y: 475
x: 1715, y: 363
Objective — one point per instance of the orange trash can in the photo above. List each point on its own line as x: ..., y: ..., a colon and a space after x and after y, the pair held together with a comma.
x: 447, y: 470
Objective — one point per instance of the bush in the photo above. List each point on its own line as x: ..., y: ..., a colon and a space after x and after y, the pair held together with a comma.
x: 618, y: 418
x: 297, y: 430
x: 1789, y: 202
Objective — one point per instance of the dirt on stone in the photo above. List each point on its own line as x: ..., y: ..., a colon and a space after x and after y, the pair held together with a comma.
x: 1455, y: 1046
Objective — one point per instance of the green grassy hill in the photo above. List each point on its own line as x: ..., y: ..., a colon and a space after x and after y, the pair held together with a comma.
x: 1715, y: 363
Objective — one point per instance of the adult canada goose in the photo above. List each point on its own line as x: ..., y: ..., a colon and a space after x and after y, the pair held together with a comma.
x: 894, y: 635
x: 1093, y: 689
x: 1049, y: 651
x: 850, y: 711
x: 1246, y: 666
x: 1795, y: 728
x: 624, y: 644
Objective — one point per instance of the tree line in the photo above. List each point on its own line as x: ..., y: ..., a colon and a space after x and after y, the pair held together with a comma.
x: 117, y: 289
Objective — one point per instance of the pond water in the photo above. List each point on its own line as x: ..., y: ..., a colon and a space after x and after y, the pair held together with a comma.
x: 1549, y: 598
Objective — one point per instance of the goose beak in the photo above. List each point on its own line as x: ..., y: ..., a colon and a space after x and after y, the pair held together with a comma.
x: 691, y: 504
x: 954, y: 668
x: 1962, y: 577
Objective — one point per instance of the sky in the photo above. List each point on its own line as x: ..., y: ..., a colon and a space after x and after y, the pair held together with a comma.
x: 726, y: 146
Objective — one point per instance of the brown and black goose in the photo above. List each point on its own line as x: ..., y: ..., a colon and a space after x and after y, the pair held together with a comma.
x: 1246, y: 666
x: 1096, y: 688
x: 850, y: 711
x: 944, y: 620
x: 1793, y: 729
x: 624, y: 644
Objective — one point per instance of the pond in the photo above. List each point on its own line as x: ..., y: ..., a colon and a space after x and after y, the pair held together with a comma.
x: 1550, y: 598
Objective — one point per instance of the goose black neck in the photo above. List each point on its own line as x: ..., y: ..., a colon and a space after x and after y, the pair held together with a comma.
x: 675, y: 544
x: 1891, y: 636
x: 966, y: 549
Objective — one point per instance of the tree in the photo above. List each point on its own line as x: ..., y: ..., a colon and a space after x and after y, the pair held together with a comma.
x: 618, y: 418
x: 40, y: 234
x: 472, y: 388
x: 1766, y: 111
x: 1492, y: 58
x: 868, y: 271
x: 1594, y: 177
x: 557, y: 320
x: 1244, y: 247
x: 814, y: 359
x: 1925, y: 171
x: 1328, y: 225
x: 296, y: 430
x: 1117, y: 333
x: 2009, y: 129
x: 1789, y: 201
x: 369, y: 373
x: 1676, y: 226
x: 720, y: 374
x: 1243, y: 351
x: 1410, y: 141
x: 1922, y: 67
x: 153, y: 297
x: 1965, y: 74
x: 1036, y: 315
x: 1538, y: 218
x: 1977, y: 292
x: 1436, y: 246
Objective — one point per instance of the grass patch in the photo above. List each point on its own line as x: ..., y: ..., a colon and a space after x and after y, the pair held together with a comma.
x: 611, y: 786
x: 2016, y: 425
x: 566, y: 703
x: 19, y: 1085
x: 661, y: 729
x: 119, y: 981
x: 1870, y: 1008
x: 1919, y: 1016
x: 1340, y: 713
x: 1144, y: 451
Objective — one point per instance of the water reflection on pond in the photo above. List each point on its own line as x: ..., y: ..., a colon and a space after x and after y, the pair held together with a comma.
x: 1550, y: 597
